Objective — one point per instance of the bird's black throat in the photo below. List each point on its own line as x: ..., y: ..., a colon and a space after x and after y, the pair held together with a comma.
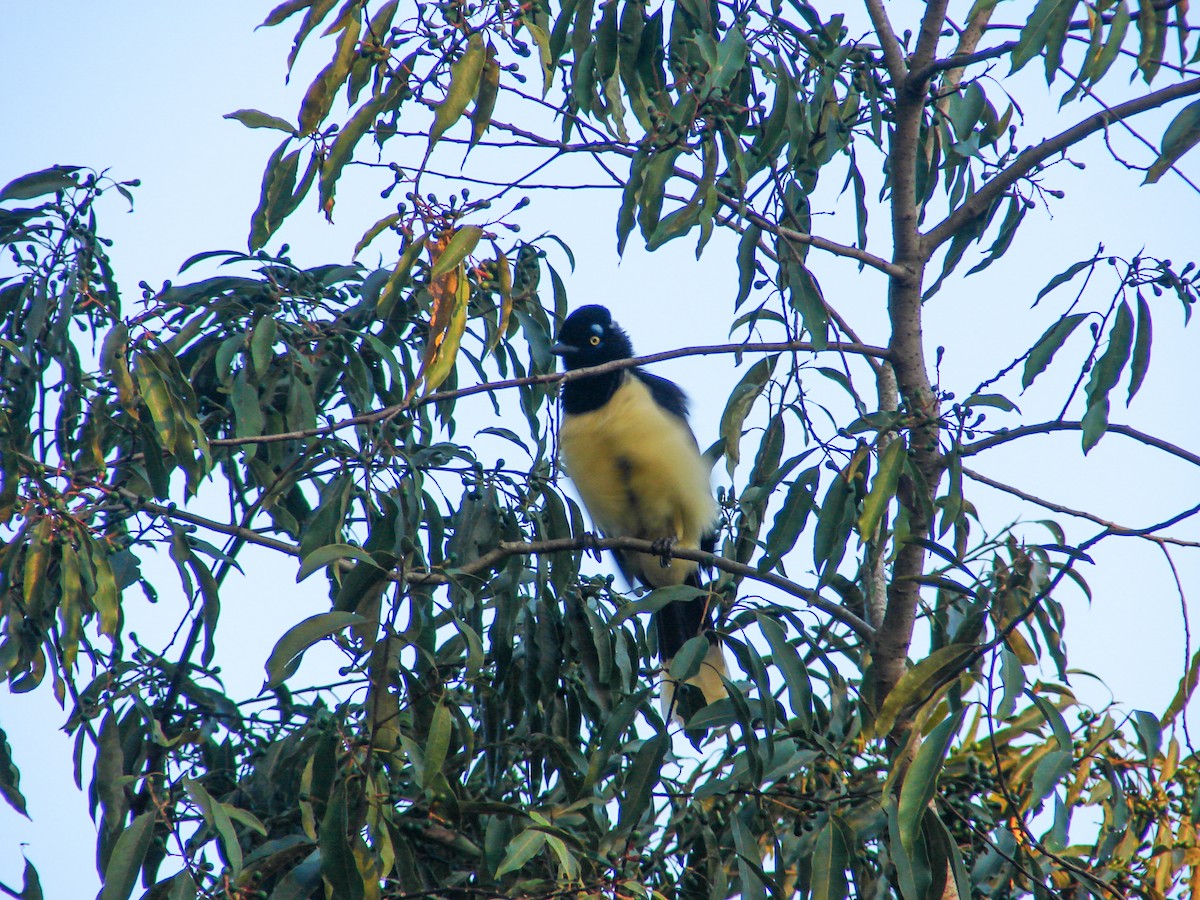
x: 590, y: 393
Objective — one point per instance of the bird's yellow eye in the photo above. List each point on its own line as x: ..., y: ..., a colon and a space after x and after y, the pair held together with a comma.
x: 594, y: 340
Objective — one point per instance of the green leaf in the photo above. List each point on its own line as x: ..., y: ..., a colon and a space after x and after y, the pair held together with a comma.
x: 285, y: 657
x: 374, y: 231
x: 1004, y: 237
x: 1049, y: 771
x: 788, y: 661
x: 1149, y: 732
x: 995, y: 401
x: 912, y: 868
x: 31, y: 885
x: 1141, y: 348
x: 460, y: 247
x: 283, y: 11
x: 749, y: 862
x: 1183, y: 693
x: 10, y: 778
x: 1063, y: 277
x: 1054, y: 718
x: 348, y: 137
x: 1181, y: 136
x: 16, y: 351
x: 686, y: 663
x: 642, y: 777
x: 400, y: 278
x: 922, y: 682
x: 652, y: 190
x: 792, y: 516
x: 1105, y: 375
x: 1056, y: 37
x: 278, y: 181
x: 1047, y: 345
x: 183, y: 887
x: 626, y: 215
x: 542, y: 40
x: 656, y: 600
x: 807, y: 299
x: 464, y: 84
x: 1012, y: 676
x: 835, y: 522
x: 253, y: 118
x: 120, y: 874
x: 831, y: 856
x: 936, y: 833
x: 338, y: 865
x: 262, y: 342
x: 883, y: 488
x: 1112, y: 47
x: 218, y: 819
x: 330, y: 553
x: 521, y: 849
x: 747, y: 268
x: 1036, y: 30
x: 738, y: 406
x: 1152, y: 28
x: 317, y: 11
x: 36, y: 184
x: 436, y: 746
x: 920, y: 781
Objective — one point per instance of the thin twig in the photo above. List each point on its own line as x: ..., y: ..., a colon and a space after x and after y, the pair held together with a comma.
x: 1013, y: 434
x: 505, y: 549
x: 1032, y: 157
x: 549, y: 378
x: 1113, y: 527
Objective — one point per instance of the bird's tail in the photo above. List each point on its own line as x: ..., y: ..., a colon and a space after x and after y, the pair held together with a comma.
x: 678, y: 623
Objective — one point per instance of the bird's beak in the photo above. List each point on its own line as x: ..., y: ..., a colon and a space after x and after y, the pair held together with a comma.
x: 561, y: 349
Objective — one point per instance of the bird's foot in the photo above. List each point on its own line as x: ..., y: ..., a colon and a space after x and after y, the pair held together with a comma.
x: 662, y: 549
x: 590, y: 542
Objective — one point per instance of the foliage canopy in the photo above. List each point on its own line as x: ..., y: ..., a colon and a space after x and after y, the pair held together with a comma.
x: 902, y: 724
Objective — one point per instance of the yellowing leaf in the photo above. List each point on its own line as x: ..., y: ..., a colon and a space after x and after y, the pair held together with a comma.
x: 319, y: 97
x: 504, y: 280
x: 464, y: 82
x: 451, y: 293
x: 485, y: 102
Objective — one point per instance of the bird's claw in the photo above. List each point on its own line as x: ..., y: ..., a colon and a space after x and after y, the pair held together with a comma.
x: 591, y: 544
x: 662, y: 548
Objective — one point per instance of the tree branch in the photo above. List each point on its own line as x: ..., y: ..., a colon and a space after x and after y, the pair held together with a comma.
x: 829, y: 246
x: 1032, y: 157
x: 812, y: 240
x: 1141, y: 437
x: 893, y: 53
x: 1112, y: 527
x: 505, y: 549
x: 927, y: 39
x: 550, y: 378
x: 907, y: 346
x: 962, y: 59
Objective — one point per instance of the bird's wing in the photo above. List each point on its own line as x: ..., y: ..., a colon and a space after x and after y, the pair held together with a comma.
x: 666, y: 394
x: 671, y: 397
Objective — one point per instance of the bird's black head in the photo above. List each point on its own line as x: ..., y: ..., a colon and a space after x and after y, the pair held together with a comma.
x: 590, y: 337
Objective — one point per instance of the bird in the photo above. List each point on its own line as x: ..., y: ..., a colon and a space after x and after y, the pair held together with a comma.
x: 627, y: 446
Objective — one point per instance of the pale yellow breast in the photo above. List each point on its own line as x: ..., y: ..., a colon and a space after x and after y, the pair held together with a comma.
x: 638, y: 470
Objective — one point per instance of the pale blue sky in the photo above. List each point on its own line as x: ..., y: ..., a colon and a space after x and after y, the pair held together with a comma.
x: 141, y: 88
